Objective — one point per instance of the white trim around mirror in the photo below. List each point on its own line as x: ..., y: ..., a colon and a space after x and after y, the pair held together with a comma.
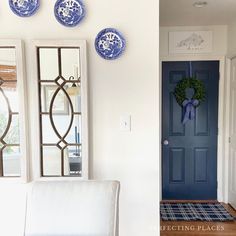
x: 35, y: 128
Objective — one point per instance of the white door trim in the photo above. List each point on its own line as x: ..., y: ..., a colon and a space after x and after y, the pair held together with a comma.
x: 222, y: 194
x: 229, y: 58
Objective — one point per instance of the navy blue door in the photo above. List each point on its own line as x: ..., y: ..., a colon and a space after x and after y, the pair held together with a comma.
x: 189, y: 152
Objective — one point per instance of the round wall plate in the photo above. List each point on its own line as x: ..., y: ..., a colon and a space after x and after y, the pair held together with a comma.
x: 69, y: 12
x: 24, y: 8
x: 109, y: 43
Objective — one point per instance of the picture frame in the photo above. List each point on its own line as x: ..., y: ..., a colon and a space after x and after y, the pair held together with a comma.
x: 185, y: 42
x: 61, y: 107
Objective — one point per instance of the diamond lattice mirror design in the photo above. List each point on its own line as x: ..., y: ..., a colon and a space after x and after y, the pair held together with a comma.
x: 9, y: 116
x: 60, y: 108
x: 12, y: 110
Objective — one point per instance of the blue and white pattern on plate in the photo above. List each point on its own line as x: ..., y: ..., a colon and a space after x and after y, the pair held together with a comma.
x: 24, y: 8
x: 109, y: 43
x: 69, y: 12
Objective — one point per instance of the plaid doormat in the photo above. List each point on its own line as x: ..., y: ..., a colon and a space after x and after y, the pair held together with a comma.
x: 194, y: 211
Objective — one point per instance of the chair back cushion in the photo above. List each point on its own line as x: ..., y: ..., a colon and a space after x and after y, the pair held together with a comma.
x: 72, y: 208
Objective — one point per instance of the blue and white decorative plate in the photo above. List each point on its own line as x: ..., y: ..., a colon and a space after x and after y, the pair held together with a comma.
x: 109, y: 43
x: 24, y: 8
x: 69, y: 12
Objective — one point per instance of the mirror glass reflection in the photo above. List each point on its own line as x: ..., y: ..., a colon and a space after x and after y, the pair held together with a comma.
x: 60, y: 111
x: 9, y: 115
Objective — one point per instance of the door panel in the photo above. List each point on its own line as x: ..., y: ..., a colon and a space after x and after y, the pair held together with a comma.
x: 190, y: 158
x: 232, y: 153
x: 177, y: 160
x: 200, y: 164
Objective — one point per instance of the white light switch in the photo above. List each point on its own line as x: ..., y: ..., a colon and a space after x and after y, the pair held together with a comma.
x: 125, y: 123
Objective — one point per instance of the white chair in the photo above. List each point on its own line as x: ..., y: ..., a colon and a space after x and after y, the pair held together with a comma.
x: 72, y: 208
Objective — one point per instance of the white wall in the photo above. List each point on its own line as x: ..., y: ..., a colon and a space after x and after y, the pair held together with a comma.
x: 231, y: 39
x: 219, y: 38
x: 127, y: 85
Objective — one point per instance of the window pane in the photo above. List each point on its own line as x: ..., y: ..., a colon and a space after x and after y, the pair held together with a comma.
x: 11, y: 92
x: 74, y: 135
x: 76, y: 100
x: 49, y: 136
x: 11, y: 161
x: 13, y: 135
x: 70, y: 61
x: 75, y: 160
x: 51, y: 161
x: 48, y: 63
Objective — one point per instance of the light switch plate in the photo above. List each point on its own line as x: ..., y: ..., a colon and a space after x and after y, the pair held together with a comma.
x: 125, y: 123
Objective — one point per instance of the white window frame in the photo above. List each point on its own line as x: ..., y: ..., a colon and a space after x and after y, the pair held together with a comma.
x: 21, y: 85
x: 34, y: 96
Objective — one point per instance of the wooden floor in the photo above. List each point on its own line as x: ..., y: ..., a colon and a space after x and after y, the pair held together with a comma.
x: 195, y: 228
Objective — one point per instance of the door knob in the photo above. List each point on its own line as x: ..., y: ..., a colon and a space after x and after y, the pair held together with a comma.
x: 166, y: 142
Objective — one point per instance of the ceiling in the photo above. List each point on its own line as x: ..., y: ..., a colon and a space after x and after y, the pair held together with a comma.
x: 182, y: 13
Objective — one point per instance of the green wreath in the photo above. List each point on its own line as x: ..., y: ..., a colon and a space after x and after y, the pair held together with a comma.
x: 197, y: 85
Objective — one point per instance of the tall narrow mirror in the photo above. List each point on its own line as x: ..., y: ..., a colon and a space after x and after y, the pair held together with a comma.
x: 12, y: 115
x: 61, y: 105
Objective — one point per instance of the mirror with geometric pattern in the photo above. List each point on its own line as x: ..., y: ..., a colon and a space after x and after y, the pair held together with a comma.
x: 60, y: 111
